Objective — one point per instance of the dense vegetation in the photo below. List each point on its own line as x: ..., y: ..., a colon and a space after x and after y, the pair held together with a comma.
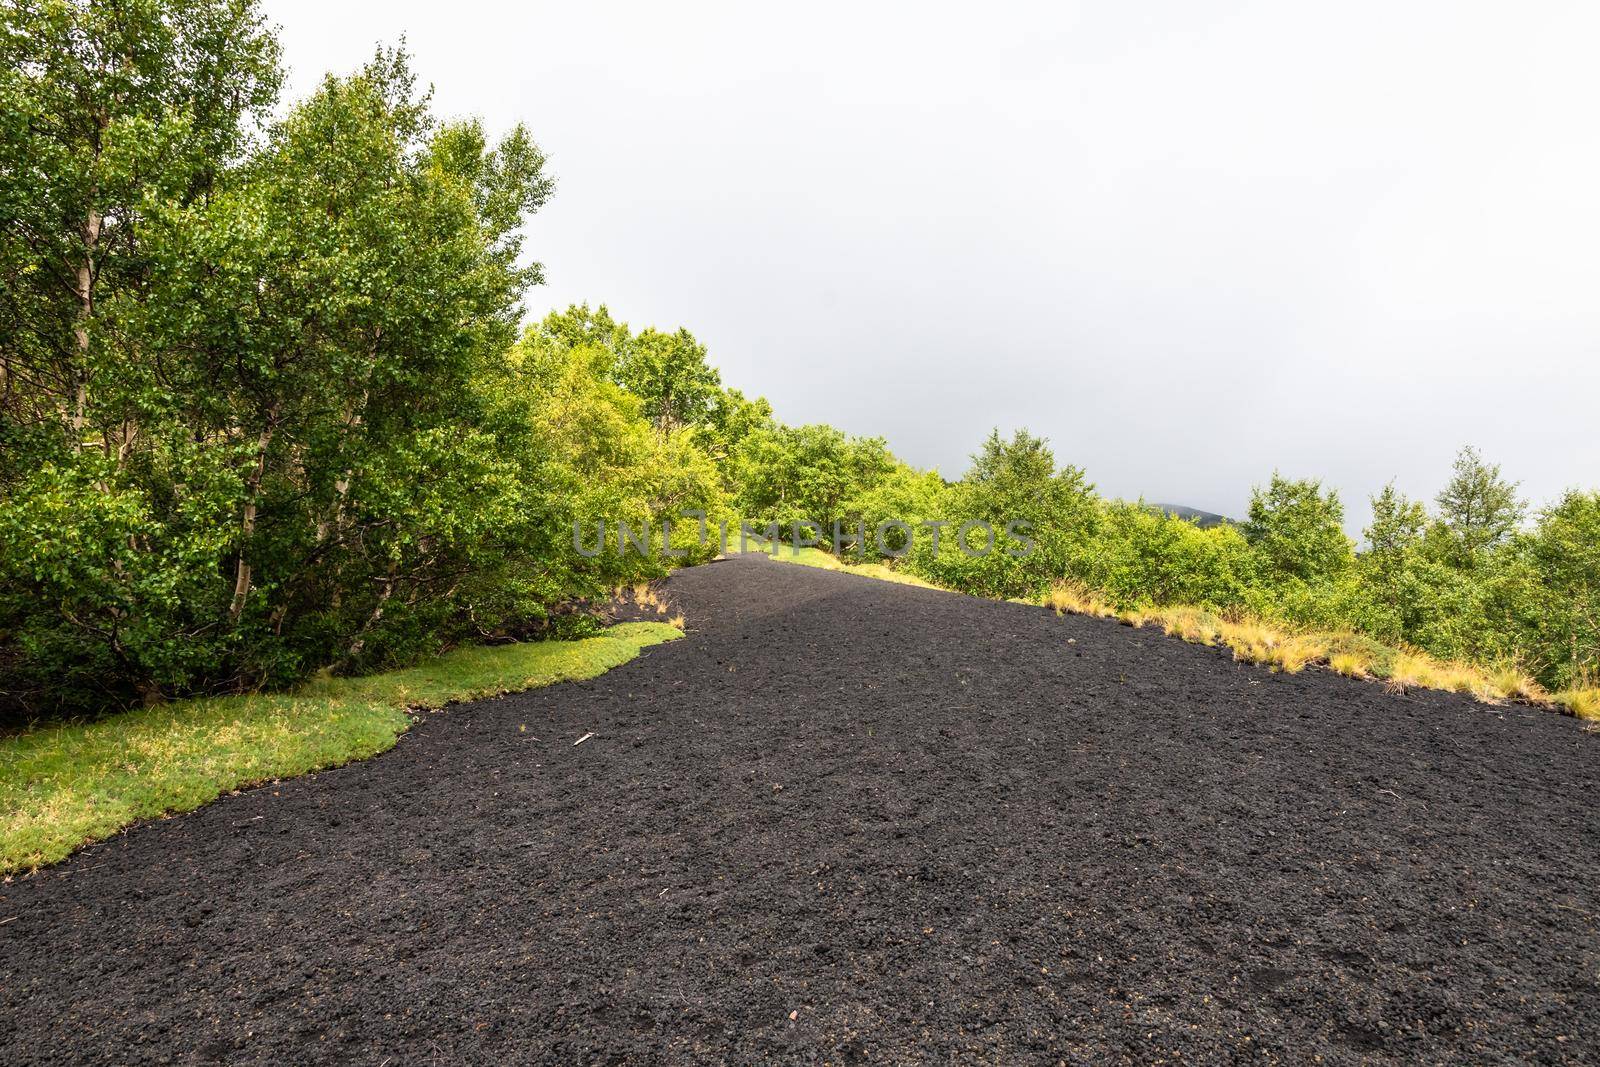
x: 1478, y: 580
x: 265, y: 409
x: 263, y: 405
x: 1473, y: 581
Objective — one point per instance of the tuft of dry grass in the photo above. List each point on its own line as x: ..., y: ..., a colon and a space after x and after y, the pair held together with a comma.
x: 1491, y: 685
x: 1280, y: 648
x: 1513, y: 684
x: 1584, y: 703
x: 1350, y: 664
x: 1414, y: 670
x: 1194, y: 625
x: 1070, y: 597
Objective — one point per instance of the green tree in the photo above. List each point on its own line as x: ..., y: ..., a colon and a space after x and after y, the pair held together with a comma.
x: 733, y: 417
x: 357, y: 278
x: 578, y: 327
x: 790, y: 474
x: 669, y: 372
x: 1043, y: 520
x: 1392, y: 570
x: 112, y: 116
x: 1297, y: 529
x: 1007, y: 476
x: 1478, y: 509
x: 1564, y: 550
x: 1397, y: 524
x: 284, y: 465
x: 106, y: 111
x: 584, y: 454
x: 1141, y: 556
x: 903, y: 495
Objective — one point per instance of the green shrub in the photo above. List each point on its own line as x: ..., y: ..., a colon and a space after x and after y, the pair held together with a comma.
x: 1140, y: 557
x: 1013, y: 481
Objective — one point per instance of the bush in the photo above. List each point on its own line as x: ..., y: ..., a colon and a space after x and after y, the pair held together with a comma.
x: 904, y: 495
x: 791, y: 474
x: 1010, y: 482
x: 1140, y: 558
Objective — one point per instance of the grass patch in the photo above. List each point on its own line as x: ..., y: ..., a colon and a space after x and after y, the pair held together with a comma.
x: 1353, y: 655
x: 1287, y: 650
x: 815, y: 557
x: 1584, y: 703
x: 1078, y: 600
x: 66, y: 785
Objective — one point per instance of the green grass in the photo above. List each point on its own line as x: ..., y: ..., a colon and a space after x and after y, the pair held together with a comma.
x: 815, y: 557
x: 67, y: 785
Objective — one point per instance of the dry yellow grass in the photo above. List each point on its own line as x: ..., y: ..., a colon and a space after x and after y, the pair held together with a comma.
x: 1287, y: 650
x: 1279, y: 650
x: 1512, y: 684
x: 1074, y: 598
x: 1584, y: 703
x: 1350, y: 664
x: 1413, y: 669
x: 1492, y: 685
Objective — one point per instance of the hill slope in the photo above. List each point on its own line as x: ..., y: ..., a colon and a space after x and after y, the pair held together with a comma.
x: 1203, y: 519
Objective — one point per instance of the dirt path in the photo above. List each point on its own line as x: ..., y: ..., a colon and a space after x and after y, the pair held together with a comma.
x: 851, y: 820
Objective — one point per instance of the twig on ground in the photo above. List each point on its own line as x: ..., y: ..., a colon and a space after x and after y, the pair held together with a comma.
x: 1400, y: 798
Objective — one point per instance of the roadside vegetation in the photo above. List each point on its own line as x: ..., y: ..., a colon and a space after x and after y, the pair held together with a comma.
x: 1472, y: 598
x: 65, y: 785
x: 1275, y: 646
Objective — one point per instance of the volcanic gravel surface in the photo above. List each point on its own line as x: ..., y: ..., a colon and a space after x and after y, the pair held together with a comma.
x: 848, y: 821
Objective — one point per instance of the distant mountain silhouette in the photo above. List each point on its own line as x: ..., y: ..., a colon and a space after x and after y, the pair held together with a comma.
x: 1202, y: 519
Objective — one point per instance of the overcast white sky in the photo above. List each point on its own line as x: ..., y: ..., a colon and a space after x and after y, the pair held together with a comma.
x: 1188, y: 242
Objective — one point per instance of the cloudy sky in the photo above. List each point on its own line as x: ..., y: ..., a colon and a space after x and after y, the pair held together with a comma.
x: 1188, y: 242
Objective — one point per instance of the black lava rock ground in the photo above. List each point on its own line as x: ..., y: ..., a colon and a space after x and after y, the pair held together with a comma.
x: 851, y: 821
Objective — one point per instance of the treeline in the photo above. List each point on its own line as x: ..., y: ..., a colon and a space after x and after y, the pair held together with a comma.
x: 264, y: 408
x: 1478, y: 579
